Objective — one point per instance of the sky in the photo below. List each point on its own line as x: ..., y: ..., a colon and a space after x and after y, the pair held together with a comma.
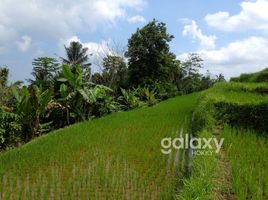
x: 230, y: 35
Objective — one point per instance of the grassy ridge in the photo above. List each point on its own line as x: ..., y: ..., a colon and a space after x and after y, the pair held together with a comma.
x: 226, y: 103
x: 242, y: 105
x: 261, y: 76
x: 116, y: 157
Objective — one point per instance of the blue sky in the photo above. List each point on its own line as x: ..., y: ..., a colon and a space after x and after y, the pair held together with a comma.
x: 230, y: 35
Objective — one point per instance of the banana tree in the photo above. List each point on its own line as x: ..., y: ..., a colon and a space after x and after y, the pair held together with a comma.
x: 30, y: 105
x: 78, y: 97
x: 129, y: 99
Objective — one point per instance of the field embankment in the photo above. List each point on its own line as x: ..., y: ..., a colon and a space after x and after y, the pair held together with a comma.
x: 237, y: 112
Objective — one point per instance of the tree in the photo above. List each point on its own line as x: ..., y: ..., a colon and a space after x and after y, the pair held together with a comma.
x: 4, y: 72
x: 190, y: 70
x: 81, y: 100
x: 149, y: 54
x: 76, y: 54
x: 220, y: 78
x: 4, y: 89
x: 44, y: 71
x: 114, y: 72
x: 30, y: 106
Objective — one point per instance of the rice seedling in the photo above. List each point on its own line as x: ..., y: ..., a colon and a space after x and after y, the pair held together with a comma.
x: 248, y: 153
x: 114, y: 157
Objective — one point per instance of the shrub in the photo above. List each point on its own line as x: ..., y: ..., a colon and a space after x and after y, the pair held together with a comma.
x: 10, y: 129
x: 165, y: 90
x: 147, y: 95
x: 129, y: 99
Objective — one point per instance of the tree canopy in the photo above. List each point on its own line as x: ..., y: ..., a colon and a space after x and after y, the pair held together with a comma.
x: 149, y: 54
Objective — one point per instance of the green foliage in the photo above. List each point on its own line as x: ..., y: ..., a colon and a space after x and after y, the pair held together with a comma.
x: 165, y: 90
x: 81, y: 100
x: 147, y: 95
x: 76, y: 54
x: 149, y: 55
x: 4, y: 72
x: 191, y: 80
x: 5, y: 91
x: 44, y: 72
x: 261, y: 76
x: 129, y: 99
x: 30, y: 106
x: 237, y: 104
x: 114, y: 72
x: 10, y: 129
x: 5, y: 95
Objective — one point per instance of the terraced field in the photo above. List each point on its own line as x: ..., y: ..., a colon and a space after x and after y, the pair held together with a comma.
x: 114, y: 157
x: 237, y: 112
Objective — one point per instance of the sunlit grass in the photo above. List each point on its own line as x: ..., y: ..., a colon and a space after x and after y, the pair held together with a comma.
x: 114, y: 157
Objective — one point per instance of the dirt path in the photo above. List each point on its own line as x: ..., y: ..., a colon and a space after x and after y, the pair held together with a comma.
x: 223, y: 180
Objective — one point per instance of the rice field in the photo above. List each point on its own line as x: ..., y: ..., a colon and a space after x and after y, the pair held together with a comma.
x: 236, y: 112
x: 248, y: 154
x: 114, y: 157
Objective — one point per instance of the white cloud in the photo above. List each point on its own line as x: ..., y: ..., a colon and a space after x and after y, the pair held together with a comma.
x: 253, y: 16
x: 206, y: 41
x: 58, y: 19
x: 136, y: 19
x: 24, y: 43
x: 247, y: 55
x: 93, y: 47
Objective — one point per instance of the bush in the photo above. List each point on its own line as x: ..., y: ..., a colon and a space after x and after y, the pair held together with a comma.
x: 147, y: 95
x: 165, y: 90
x: 129, y: 99
x: 10, y: 129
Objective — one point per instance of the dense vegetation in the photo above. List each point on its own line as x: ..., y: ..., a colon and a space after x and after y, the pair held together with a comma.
x: 62, y: 92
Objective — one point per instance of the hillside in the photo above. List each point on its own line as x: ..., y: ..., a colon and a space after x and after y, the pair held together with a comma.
x: 117, y: 157
x: 261, y: 76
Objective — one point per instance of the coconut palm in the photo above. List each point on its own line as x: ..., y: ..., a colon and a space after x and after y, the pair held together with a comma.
x: 76, y: 54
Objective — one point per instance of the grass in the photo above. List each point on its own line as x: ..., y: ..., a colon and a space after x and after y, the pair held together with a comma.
x: 240, y: 170
x: 261, y: 76
x: 114, y: 157
x: 200, y: 185
x: 248, y: 154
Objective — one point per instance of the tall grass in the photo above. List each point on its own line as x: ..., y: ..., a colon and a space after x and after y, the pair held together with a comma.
x: 114, y: 157
x: 248, y: 153
x: 201, y: 183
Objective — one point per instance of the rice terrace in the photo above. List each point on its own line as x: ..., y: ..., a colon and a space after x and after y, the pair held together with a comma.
x: 106, y: 100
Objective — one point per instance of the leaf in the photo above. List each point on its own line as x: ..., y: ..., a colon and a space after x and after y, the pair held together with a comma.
x: 84, y: 95
x: 62, y: 80
x: 16, y: 93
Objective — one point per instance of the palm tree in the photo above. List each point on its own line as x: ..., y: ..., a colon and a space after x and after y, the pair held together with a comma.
x: 76, y: 54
